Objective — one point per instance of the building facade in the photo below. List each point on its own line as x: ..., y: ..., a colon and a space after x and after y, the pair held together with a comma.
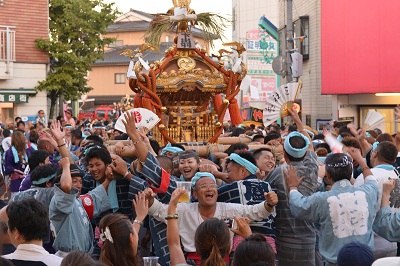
x: 22, y: 65
x: 261, y: 48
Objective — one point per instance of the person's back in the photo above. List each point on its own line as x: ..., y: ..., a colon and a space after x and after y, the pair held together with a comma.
x: 345, y: 213
x: 295, y: 238
x: 28, y: 224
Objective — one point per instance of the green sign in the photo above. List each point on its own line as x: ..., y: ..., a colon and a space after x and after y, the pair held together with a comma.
x: 13, y: 98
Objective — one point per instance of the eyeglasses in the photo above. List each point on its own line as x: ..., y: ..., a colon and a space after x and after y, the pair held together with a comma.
x: 207, y: 186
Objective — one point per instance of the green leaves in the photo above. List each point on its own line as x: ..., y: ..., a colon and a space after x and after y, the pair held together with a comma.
x: 75, y: 42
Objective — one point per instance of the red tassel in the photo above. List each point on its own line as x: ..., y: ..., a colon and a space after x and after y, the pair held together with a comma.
x: 217, y: 102
x: 234, y: 112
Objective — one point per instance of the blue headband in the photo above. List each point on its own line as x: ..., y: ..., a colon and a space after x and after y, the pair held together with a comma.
x: 170, y: 148
x: 243, y: 162
x: 68, y: 126
x: 199, y: 175
x: 296, y: 152
x: 368, y: 135
x: 43, y: 180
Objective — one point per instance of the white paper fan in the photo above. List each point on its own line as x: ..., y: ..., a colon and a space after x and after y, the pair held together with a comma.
x: 374, y: 120
x: 279, y: 101
x: 143, y: 118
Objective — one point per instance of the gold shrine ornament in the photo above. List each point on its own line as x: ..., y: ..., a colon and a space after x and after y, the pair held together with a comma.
x: 186, y: 63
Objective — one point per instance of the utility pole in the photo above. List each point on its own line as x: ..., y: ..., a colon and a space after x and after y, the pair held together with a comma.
x: 289, y: 39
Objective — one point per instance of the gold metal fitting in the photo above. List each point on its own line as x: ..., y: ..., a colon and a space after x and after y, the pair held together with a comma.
x: 218, y: 124
x: 161, y: 126
x: 226, y: 101
x: 163, y: 109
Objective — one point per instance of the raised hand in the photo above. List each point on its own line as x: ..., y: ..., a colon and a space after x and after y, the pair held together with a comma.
x: 118, y: 165
x: 178, y: 192
x: 130, y: 126
x: 243, y: 226
x: 141, y: 206
x: 150, y: 195
x: 55, y: 128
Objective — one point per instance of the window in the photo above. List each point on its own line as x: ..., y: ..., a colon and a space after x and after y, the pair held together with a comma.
x: 116, y: 43
x: 301, y: 28
x: 119, y: 78
x: 101, y: 113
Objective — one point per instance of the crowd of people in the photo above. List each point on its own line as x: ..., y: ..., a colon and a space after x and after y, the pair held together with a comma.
x: 300, y: 197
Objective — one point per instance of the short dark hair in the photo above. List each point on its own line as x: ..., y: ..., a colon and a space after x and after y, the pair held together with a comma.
x: 18, y: 118
x: 258, y: 136
x: 20, y: 122
x: 271, y: 136
x: 43, y: 171
x: 257, y: 153
x: 29, y: 217
x: 338, y: 172
x: 165, y: 162
x: 95, y: 138
x: 236, y: 146
x: 296, y: 142
x: 76, y: 133
x: 254, y: 250
x: 324, y: 146
x: 100, y: 153
x: 351, y: 142
x: 387, y: 152
x: 6, y: 133
x: 37, y: 157
x: 384, y: 137
x: 40, y: 111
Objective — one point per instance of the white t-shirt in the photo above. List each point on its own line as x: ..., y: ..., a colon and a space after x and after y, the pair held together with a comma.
x: 190, y: 218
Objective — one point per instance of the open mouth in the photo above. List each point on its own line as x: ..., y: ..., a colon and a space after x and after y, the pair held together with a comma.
x: 210, y: 195
x: 186, y: 172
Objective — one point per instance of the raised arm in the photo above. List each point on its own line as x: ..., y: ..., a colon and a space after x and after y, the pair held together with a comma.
x: 174, y: 241
x: 300, y: 127
x: 356, y: 155
x: 133, y: 133
x: 59, y: 137
x: 141, y: 208
x: 66, y: 179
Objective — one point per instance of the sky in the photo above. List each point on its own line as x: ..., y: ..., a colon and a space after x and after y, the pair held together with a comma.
x: 221, y: 7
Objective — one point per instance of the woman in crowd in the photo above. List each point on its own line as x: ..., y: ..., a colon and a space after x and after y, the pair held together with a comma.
x: 120, y: 236
x: 16, y: 160
x: 254, y: 250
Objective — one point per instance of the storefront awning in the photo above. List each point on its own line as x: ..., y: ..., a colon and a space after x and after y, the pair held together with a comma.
x: 15, y: 95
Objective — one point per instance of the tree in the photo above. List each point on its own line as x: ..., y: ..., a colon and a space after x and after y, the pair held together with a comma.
x: 75, y: 42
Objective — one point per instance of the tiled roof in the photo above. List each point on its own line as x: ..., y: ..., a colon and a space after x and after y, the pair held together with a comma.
x: 112, y: 57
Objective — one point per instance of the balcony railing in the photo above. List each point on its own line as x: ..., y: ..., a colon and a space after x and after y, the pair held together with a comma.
x: 7, y: 46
